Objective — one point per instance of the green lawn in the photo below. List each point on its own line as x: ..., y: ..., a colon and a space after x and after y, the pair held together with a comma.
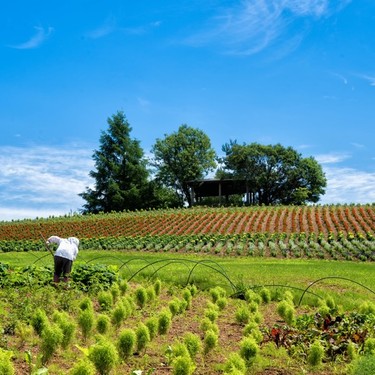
x: 348, y: 282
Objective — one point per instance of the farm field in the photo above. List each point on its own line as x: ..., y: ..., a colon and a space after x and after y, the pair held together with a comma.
x: 282, y: 290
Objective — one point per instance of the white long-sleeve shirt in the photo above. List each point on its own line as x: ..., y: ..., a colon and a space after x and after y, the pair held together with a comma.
x: 67, y: 247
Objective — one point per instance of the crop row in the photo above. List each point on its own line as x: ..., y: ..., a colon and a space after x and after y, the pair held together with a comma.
x: 278, y: 245
x: 327, y: 220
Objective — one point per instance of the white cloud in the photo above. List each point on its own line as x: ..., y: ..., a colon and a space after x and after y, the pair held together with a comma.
x: 40, y: 36
x: 254, y: 25
x: 348, y: 185
x: 108, y: 27
x: 332, y: 158
x: 42, y: 181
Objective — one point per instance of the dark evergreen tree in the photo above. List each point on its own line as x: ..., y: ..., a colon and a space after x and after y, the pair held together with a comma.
x: 121, y: 175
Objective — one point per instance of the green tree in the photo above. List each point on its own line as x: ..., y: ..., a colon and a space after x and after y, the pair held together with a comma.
x: 121, y: 172
x: 274, y: 174
x: 183, y: 156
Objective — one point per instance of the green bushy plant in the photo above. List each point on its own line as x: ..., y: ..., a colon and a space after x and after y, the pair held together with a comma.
x: 210, y: 341
x: 103, y: 323
x: 83, y: 367
x: 140, y: 296
x: 118, y: 314
x: 235, y: 363
x: 286, y: 311
x: 104, y: 356
x: 316, y: 354
x: 6, y: 365
x: 222, y: 303
x: 211, y: 314
x: 193, y: 344
x: 143, y: 336
x: 157, y: 287
x: 164, y: 322
x: 105, y: 300
x: 251, y: 296
x: 265, y: 294
x: 126, y: 343
x: 51, y: 338
x: 242, y: 314
x: 67, y: 326
x: 363, y: 365
x: 123, y: 286
x: 369, y: 346
x: 152, y: 325
x: 86, y: 321
x: 85, y: 304
x: 183, y: 365
x: 186, y: 295
x: 39, y: 320
x: 249, y: 349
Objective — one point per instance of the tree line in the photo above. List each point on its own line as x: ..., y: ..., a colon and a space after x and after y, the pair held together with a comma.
x: 124, y: 179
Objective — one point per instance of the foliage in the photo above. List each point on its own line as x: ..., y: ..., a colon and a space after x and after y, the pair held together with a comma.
x: 104, y: 356
x: 6, y: 366
x: 274, y: 174
x: 183, y: 156
x: 126, y: 343
x: 121, y: 174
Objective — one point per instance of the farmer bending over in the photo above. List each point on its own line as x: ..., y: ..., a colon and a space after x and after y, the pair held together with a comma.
x: 65, y: 254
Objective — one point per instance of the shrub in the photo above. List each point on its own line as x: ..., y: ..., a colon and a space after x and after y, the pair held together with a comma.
x: 126, y: 343
x: 210, y: 341
x: 367, y: 308
x: 123, y: 286
x: 67, y: 326
x: 265, y: 294
x: 315, y: 354
x: 104, y: 356
x: 249, y: 349
x: 364, y: 365
x: 286, y: 311
x: 157, y: 287
x: 369, y: 346
x: 6, y: 366
x: 86, y: 320
x: 217, y: 293
x: 140, y: 296
x: 211, y: 314
x: 242, y: 315
x: 115, y: 291
x: 85, y: 304
x: 39, y: 320
x: 193, y: 344
x: 83, y: 367
x: 103, y: 323
x: 207, y: 325
x: 151, y: 294
x: 105, y: 300
x: 221, y: 303
x: 164, y: 322
x: 118, y: 314
x: 152, y: 325
x: 251, y: 296
x: 143, y: 337
x: 51, y: 338
x: 182, y: 365
x: 186, y: 295
x: 174, y: 306
x: 235, y: 362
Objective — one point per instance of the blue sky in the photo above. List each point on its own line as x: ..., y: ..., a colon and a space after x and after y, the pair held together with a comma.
x: 296, y: 72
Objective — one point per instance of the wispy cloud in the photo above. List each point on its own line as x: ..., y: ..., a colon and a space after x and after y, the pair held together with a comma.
x: 254, y: 25
x: 368, y: 78
x: 42, y: 180
x: 348, y: 185
x: 40, y: 36
x: 108, y: 27
x: 332, y: 158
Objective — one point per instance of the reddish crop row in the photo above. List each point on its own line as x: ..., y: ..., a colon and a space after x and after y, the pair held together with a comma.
x: 327, y: 220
